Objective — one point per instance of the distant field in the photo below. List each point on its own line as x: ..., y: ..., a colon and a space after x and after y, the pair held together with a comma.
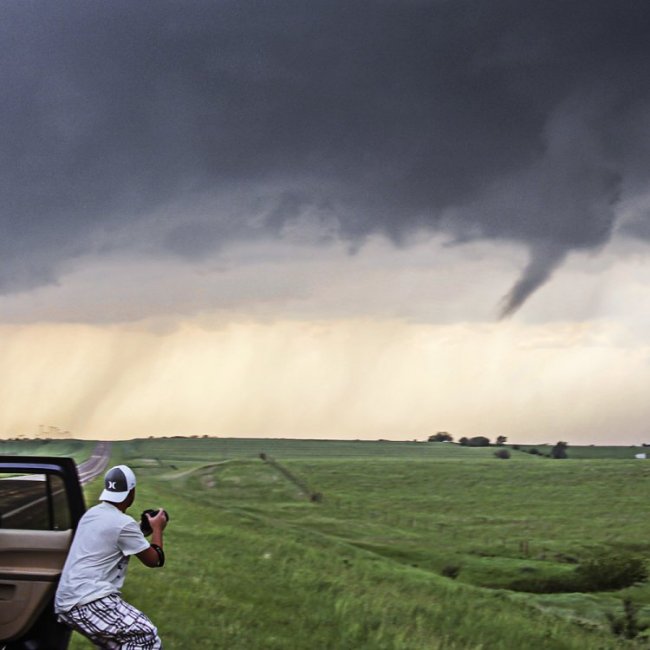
x: 80, y: 450
x: 197, y: 448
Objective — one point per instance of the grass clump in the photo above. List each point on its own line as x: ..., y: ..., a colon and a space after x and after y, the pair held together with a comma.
x: 602, y: 571
x: 450, y: 571
x: 607, y: 571
x: 628, y: 625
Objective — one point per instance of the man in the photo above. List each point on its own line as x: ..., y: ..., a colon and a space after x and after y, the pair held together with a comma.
x: 88, y: 597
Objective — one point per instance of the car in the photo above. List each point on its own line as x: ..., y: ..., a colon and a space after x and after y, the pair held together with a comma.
x: 41, y: 503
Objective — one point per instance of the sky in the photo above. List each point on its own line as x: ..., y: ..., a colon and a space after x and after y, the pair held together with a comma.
x: 376, y: 219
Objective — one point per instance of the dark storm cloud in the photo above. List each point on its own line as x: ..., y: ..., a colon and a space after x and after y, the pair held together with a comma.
x: 509, y: 120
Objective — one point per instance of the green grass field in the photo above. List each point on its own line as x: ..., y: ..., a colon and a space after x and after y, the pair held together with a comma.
x: 253, y: 563
x: 80, y: 450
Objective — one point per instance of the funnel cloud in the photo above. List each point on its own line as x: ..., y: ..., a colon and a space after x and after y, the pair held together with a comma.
x: 172, y: 129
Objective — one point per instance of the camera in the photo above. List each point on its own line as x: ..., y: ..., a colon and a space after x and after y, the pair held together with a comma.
x: 144, y: 521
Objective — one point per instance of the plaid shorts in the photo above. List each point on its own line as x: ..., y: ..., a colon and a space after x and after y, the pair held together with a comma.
x: 111, y: 623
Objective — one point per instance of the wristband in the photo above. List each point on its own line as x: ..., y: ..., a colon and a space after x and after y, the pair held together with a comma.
x: 161, y: 554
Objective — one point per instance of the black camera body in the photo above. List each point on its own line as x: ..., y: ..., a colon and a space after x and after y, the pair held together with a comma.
x: 144, y: 521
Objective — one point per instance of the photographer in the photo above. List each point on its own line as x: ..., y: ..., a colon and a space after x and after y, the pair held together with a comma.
x: 88, y: 596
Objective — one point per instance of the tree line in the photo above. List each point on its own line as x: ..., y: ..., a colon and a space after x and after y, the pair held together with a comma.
x: 558, y: 451
x: 475, y: 441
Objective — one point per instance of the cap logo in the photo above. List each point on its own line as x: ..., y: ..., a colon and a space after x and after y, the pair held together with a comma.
x: 115, y: 480
x: 118, y: 482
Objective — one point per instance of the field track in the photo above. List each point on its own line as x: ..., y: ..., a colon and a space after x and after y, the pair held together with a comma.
x: 96, y: 464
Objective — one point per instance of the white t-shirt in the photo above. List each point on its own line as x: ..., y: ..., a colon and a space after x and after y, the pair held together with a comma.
x: 99, y: 555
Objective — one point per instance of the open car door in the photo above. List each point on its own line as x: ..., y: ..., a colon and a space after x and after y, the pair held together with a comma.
x: 41, y: 502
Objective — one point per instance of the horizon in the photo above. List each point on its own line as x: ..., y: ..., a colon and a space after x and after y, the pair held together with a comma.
x: 493, y: 443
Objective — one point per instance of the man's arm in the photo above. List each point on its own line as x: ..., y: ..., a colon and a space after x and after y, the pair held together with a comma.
x: 150, y: 556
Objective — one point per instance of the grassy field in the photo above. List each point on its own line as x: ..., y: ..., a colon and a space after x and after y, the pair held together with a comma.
x: 80, y: 450
x: 413, y: 545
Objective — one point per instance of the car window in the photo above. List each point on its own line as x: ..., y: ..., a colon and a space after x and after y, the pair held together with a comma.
x: 33, y: 502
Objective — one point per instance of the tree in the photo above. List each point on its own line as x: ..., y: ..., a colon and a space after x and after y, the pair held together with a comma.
x: 559, y: 451
x: 502, y: 453
x: 479, y: 441
x: 501, y: 440
x: 475, y: 441
x: 441, y: 436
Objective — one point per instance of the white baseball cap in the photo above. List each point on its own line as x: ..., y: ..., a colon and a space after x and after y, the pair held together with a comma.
x: 118, y: 482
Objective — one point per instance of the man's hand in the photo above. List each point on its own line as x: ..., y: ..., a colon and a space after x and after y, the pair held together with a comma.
x: 159, y: 522
x: 150, y: 556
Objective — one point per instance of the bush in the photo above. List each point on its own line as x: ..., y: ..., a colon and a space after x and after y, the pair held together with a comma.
x: 603, y: 571
x: 606, y: 570
x: 441, y: 436
x: 450, y: 571
x: 502, y: 453
x: 476, y: 441
x: 559, y: 451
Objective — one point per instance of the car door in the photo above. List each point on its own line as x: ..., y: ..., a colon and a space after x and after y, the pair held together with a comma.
x: 41, y: 502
